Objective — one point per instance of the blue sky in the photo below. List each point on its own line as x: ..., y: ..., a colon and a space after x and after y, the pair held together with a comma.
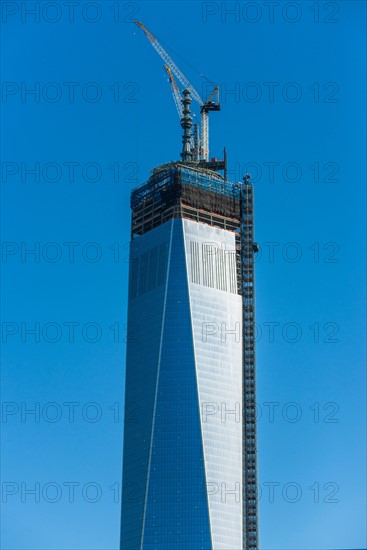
x: 100, y: 119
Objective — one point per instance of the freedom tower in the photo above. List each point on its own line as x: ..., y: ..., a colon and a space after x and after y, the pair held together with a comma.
x: 189, y: 458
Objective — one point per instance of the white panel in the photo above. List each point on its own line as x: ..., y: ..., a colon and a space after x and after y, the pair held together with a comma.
x: 216, y: 309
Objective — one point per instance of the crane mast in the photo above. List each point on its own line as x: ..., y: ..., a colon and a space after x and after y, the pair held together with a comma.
x: 205, y: 107
x: 175, y: 91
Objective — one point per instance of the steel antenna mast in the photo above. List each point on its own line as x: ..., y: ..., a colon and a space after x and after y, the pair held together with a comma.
x: 179, y: 106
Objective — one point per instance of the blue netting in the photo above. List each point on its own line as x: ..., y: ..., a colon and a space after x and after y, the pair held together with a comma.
x: 188, y: 176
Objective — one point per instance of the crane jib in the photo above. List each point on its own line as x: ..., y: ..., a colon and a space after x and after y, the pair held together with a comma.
x: 205, y: 107
x: 176, y: 71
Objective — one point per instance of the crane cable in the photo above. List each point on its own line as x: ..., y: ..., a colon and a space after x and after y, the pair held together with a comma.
x: 202, y: 75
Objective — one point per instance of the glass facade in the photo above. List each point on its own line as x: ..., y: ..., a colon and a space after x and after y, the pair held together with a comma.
x: 182, y: 465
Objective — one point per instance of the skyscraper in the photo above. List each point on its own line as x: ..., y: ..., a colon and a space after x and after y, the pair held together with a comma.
x: 189, y: 464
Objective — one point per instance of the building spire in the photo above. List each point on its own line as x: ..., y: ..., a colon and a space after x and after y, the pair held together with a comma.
x: 186, y: 123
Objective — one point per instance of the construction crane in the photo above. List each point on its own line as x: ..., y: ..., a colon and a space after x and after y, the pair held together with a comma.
x: 205, y: 107
x: 175, y: 91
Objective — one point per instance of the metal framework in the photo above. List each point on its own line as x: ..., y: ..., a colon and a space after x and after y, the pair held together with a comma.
x: 163, y: 177
x: 175, y: 91
x: 205, y: 106
x: 174, y: 190
x: 248, y: 249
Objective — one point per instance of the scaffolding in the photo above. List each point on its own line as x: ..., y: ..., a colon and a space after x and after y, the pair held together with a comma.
x: 180, y: 191
x: 248, y: 249
x: 188, y: 174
